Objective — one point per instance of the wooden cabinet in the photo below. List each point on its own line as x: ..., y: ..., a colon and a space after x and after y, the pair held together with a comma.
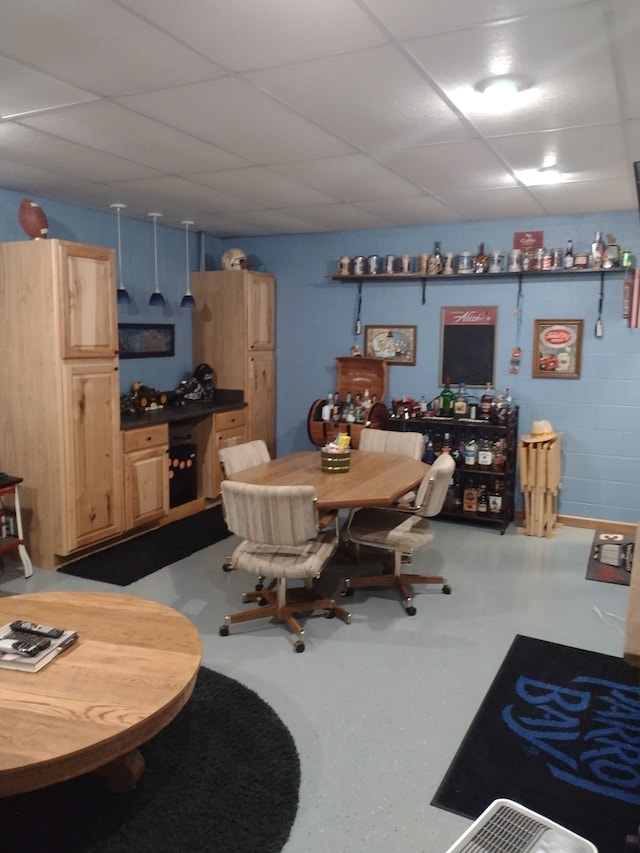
x: 224, y: 429
x: 59, y: 418
x: 146, y: 476
x: 234, y: 332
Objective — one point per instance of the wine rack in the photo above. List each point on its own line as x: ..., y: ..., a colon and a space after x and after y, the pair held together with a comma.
x: 459, y: 431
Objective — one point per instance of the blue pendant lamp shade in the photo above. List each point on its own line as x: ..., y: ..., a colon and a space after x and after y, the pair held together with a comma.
x: 156, y: 297
x: 187, y: 300
x: 123, y: 296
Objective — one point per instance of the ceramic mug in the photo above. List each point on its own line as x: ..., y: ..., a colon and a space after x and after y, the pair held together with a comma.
x: 496, y: 261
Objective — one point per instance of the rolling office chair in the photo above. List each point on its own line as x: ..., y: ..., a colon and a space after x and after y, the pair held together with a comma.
x: 238, y: 457
x: 281, y: 538
x: 388, y: 441
x: 401, y: 530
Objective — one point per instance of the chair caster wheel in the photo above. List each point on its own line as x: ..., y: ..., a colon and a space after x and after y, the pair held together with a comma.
x: 347, y: 592
x: 410, y: 611
x: 227, y: 567
x: 262, y: 602
x: 298, y: 647
x: 446, y: 589
x: 224, y: 631
x: 329, y: 614
x: 258, y: 587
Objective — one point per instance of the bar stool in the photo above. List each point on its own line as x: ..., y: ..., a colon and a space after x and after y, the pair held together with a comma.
x: 10, y: 538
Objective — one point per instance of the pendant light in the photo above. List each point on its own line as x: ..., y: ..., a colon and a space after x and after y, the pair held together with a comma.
x: 156, y: 297
x: 187, y: 300
x: 123, y: 296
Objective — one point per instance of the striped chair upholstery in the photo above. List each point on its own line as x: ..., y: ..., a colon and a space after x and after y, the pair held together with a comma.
x: 281, y: 539
x: 237, y: 457
x: 388, y: 441
x: 401, y: 532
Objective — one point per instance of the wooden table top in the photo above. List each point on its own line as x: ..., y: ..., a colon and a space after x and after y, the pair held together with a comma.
x: 373, y: 479
x: 128, y: 675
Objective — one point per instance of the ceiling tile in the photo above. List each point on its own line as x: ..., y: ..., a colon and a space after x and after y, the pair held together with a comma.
x: 111, y: 128
x: 617, y: 194
x: 32, y: 148
x: 341, y: 217
x: 411, y: 211
x: 98, y: 46
x: 233, y: 115
x: 25, y: 90
x: 354, y: 177
x: 244, y: 34
x: 459, y: 165
x: 384, y: 101
x: 573, y: 78
x: 264, y: 187
x: 506, y: 203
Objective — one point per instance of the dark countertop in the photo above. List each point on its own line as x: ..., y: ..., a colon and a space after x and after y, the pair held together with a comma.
x: 224, y: 401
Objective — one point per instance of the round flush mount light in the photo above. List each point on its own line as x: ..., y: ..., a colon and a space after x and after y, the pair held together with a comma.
x: 503, y: 85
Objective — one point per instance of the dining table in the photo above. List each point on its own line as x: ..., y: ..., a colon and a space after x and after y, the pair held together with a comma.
x: 373, y: 479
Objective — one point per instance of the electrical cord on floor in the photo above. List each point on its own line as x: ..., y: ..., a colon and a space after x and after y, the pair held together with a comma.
x: 601, y: 615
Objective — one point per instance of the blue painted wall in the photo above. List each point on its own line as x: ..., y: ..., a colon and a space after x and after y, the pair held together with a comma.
x: 599, y: 414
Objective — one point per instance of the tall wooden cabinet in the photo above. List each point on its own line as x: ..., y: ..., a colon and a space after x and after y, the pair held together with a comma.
x: 60, y: 413
x: 234, y: 332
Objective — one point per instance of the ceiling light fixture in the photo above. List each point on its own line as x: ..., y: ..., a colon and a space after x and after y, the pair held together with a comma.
x: 503, y: 85
x: 156, y: 297
x: 123, y: 296
x: 187, y: 300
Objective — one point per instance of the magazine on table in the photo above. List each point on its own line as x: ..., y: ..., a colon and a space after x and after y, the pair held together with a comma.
x: 50, y: 648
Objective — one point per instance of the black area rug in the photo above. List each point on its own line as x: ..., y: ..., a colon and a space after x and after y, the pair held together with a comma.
x: 558, y: 732
x: 128, y: 562
x: 223, y: 776
x: 611, y: 558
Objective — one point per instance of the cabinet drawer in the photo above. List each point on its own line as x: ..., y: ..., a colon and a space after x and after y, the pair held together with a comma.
x: 228, y: 420
x: 138, y: 439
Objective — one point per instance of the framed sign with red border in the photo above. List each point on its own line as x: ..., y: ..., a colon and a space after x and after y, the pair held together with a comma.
x: 557, y: 349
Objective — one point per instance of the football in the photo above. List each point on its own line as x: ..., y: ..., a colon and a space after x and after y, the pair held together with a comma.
x: 32, y: 219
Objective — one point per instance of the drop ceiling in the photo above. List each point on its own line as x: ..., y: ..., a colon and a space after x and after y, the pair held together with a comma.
x: 303, y: 116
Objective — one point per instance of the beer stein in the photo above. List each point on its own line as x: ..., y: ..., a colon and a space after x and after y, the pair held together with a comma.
x: 447, y: 269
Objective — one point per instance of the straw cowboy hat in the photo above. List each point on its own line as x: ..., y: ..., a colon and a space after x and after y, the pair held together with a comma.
x: 540, y: 431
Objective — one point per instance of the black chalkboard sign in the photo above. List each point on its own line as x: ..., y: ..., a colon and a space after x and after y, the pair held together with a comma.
x: 467, y: 345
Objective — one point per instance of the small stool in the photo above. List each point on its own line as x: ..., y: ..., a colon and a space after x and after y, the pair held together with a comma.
x: 10, y: 539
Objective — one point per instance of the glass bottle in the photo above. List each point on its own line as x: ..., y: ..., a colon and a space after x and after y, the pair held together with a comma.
x: 429, y: 454
x: 436, y: 259
x: 485, y: 453
x: 446, y: 400
x: 499, y: 455
x: 470, y: 497
x: 446, y: 444
x: 471, y: 452
x: 337, y: 406
x: 348, y: 413
x: 461, y: 403
x: 568, y: 255
x: 486, y: 403
x: 495, y: 498
x: 483, y: 501
x: 423, y: 405
x: 481, y: 262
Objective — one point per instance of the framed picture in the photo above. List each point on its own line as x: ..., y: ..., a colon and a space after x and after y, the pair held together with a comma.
x: 557, y: 349
x: 146, y: 340
x: 395, y: 344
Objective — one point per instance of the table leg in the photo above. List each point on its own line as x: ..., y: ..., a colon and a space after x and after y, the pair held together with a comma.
x: 123, y: 773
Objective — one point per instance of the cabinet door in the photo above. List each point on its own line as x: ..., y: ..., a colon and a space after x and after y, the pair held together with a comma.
x: 146, y: 486
x: 260, y: 396
x: 260, y: 311
x: 88, y: 304
x: 91, y: 491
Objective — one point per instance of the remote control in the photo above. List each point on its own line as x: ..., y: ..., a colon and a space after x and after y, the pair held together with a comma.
x: 22, y: 647
x: 40, y: 630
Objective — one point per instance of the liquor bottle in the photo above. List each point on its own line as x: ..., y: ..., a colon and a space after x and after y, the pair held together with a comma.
x: 481, y: 262
x: 348, y: 412
x: 499, y: 455
x: 429, y: 451
x: 446, y: 444
x: 423, y: 405
x: 495, y: 498
x: 485, y: 453
x: 471, y: 452
x: 470, y: 497
x: 568, y: 255
x: 461, y: 403
x: 598, y: 250
x: 486, y: 403
x: 483, y: 501
x: 337, y: 406
x: 366, y: 401
x: 446, y: 400
x: 435, y: 265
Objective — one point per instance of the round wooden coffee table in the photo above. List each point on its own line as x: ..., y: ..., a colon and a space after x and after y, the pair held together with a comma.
x: 131, y: 671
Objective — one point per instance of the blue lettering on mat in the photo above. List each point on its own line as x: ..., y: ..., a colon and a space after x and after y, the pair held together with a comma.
x: 590, y: 731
